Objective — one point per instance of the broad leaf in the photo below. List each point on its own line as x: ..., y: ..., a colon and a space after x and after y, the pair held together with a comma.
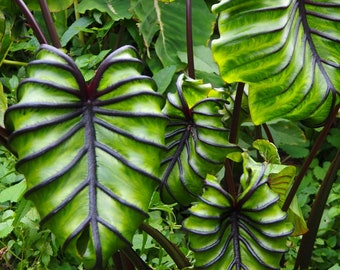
x: 196, y: 139
x: 54, y: 6
x: 288, y: 53
x: 268, y: 151
x: 169, y: 19
x: 247, y: 232
x: 90, y: 153
x: 116, y: 9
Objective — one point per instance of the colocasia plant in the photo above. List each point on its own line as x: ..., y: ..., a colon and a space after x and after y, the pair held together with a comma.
x: 99, y: 136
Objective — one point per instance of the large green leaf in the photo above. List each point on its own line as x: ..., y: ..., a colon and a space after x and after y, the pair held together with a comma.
x: 247, y: 232
x: 288, y: 53
x: 196, y: 139
x: 90, y: 153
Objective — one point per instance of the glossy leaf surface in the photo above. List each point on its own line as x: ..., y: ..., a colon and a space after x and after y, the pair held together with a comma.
x: 288, y: 53
x: 90, y: 153
x: 248, y: 232
x: 196, y: 139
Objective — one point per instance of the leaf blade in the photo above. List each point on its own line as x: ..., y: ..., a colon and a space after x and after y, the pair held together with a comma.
x: 275, y: 48
x: 79, y: 138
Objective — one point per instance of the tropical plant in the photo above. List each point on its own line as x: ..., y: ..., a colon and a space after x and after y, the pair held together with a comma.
x: 120, y: 148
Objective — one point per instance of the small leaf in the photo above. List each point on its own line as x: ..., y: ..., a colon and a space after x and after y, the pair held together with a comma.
x: 334, y: 137
x: 13, y: 193
x: 203, y: 59
x: 6, y: 224
x: 268, y: 151
x: 164, y: 77
x: 74, y: 29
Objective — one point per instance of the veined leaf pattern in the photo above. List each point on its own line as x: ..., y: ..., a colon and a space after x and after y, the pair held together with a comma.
x: 247, y: 232
x: 196, y: 139
x: 90, y: 153
x: 288, y: 53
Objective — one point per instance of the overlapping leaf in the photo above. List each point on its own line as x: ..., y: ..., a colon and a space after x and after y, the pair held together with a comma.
x: 90, y: 153
x: 248, y: 232
x: 288, y: 53
x: 170, y: 20
x: 196, y: 139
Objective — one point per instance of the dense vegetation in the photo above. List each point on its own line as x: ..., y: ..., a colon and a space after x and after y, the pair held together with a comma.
x: 169, y: 134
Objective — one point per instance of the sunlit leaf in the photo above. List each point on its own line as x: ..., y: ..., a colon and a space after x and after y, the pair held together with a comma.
x: 74, y: 29
x: 13, y: 193
x: 268, y: 151
x: 287, y: 52
x: 90, y: 153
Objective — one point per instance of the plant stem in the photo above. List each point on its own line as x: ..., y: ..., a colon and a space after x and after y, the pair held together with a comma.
x: 77, y: 16
x: 49, y: 24
x: 307, y: 243
x: 228, y: 182
x: 268, y: 133
x: 310, y: 158
x: 179, y: 258
x: 32, y: 22
x: 130, y: 259
x: 233, y: 137
x: 190, y: 48
x: 14, y: 63
x: 120, y: 36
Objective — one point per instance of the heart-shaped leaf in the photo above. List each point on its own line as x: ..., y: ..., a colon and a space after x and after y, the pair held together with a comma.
x: 196, y: 139
x: 288, y: 53
x: 90, y: 153
x: 247, y: 232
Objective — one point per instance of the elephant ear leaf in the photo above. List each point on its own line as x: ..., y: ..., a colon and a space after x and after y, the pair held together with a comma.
x: 89, y: 152
x: 196, y: 139
x: 247, y: 232
x: 286, y: 51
